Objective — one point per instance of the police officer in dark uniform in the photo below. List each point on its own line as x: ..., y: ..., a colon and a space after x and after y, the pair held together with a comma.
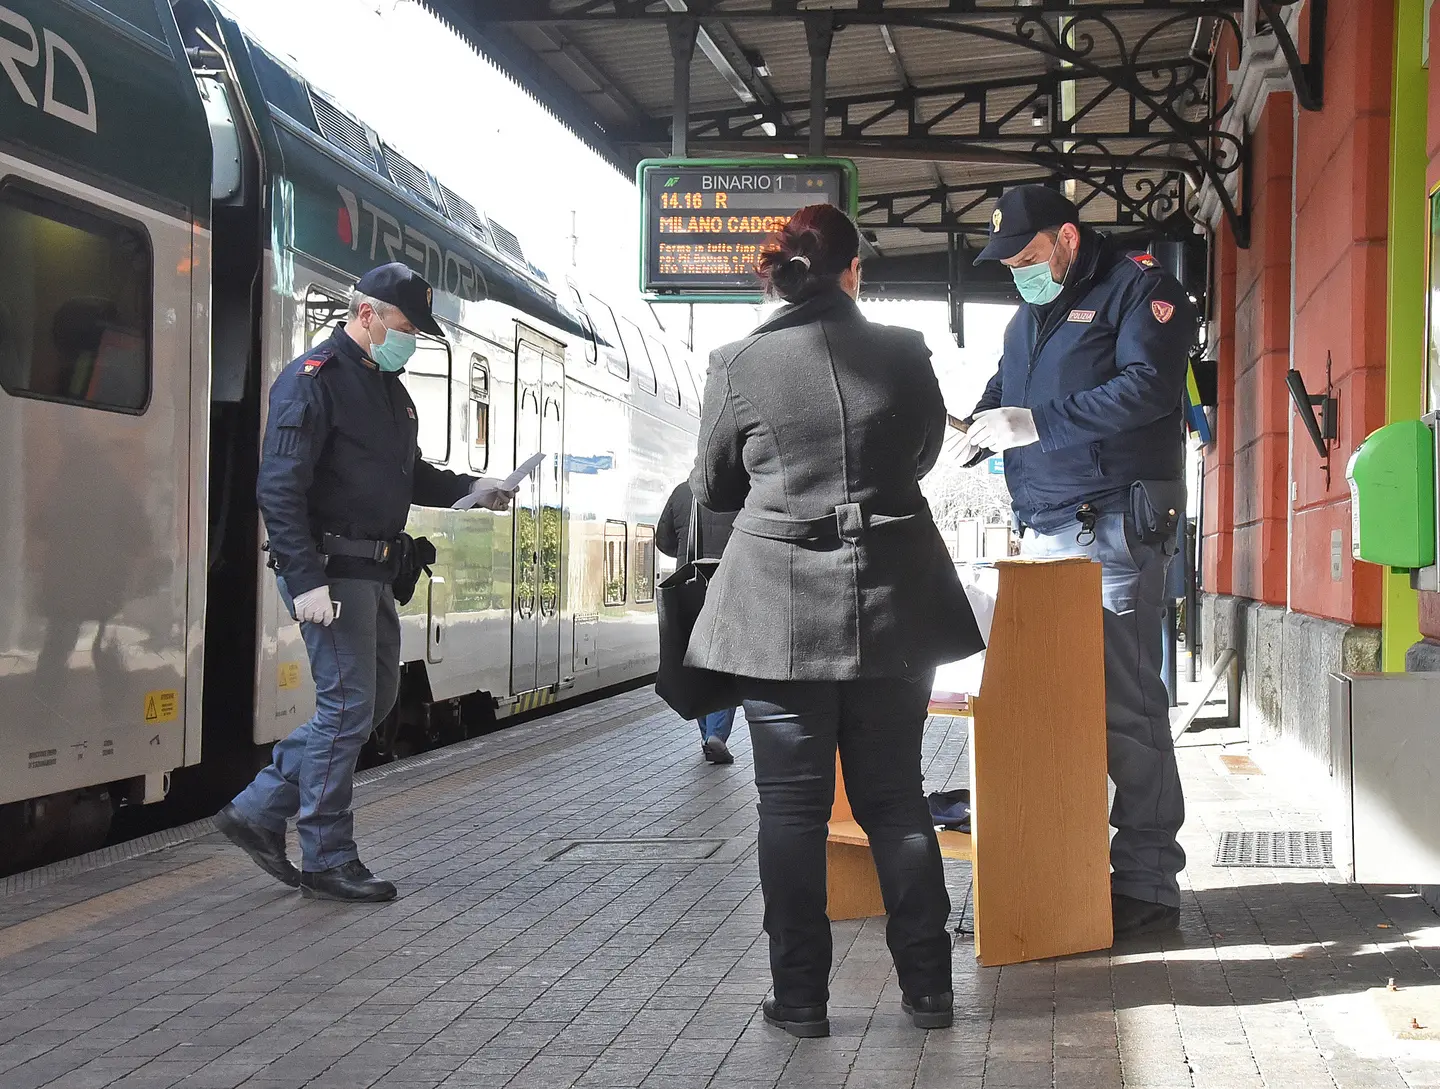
x: 1087, y: 409
x: 340, y: 469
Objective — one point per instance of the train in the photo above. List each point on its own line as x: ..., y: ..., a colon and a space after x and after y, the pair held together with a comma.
x: 181, y: 214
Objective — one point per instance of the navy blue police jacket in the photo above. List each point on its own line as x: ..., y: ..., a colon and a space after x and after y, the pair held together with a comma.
x: 342, y: 456
x: 1103, y: 370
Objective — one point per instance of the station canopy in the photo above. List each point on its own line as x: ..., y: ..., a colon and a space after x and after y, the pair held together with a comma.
x: 943, y: 104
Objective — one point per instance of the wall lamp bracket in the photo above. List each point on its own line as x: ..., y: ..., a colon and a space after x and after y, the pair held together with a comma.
x: 1324, y: 431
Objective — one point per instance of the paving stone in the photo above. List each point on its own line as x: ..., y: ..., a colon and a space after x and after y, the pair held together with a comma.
x: 497, y: 969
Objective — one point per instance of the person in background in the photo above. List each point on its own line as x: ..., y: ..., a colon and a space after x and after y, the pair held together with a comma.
x: 671, y: 534
x: 835, y: 602
x: 1086, y: 407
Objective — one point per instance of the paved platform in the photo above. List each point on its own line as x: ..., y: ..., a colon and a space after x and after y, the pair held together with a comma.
x: 522, y: 954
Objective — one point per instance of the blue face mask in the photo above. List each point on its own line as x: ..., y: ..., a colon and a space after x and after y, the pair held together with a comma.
x: 1035, y: 284
x: 394, y: 351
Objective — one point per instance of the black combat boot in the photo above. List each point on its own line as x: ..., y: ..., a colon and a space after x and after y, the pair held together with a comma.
x: 803, y: 1021
x: 351, y: 882
x: 265, y: 847
x: 1134, y: 918
x: 930, y: 1011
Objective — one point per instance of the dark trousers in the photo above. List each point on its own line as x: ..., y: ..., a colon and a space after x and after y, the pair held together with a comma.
x: 355, y: 663
x: 794, y: 729
x: 1149, y: 809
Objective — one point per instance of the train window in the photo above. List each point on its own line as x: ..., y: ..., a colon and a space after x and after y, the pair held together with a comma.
x: 615, y: 537
x: 479, y: 418
x: 644, y: 563
x: 427, y: 377
x: 639, y: 357
x: 669, y: 387
x: 75, y: 306
x: 591, y: 353
x: 608, y: 333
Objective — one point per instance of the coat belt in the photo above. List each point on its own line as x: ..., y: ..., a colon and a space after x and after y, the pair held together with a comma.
x: 847, y: 522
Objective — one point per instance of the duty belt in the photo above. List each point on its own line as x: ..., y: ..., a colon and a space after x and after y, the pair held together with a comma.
x: 848, y: 522
x: 333, y: 544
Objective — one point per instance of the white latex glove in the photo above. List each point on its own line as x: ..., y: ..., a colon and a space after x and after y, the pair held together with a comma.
x: 314, y: 607
x: 1002, y: 429
x: 490, y: 493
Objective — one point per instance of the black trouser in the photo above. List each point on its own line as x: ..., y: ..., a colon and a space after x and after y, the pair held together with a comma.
x: 794, y: 729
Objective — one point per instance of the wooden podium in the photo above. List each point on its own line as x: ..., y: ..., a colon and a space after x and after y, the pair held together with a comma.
x: 1041, y: 843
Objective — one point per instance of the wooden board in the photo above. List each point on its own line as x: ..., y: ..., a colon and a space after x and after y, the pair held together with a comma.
x: 1040, y: 827
x: 851, y: 883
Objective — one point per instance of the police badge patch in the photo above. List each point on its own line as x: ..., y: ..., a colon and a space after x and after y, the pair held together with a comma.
x: 1163, y: 311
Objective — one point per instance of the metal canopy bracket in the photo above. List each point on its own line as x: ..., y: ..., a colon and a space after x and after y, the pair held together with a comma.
x: 1172, y: 133
x: 1307, y: 76
x: 819, y: 36
x: 682, y: 51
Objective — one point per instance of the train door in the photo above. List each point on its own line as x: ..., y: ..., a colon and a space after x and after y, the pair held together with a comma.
x: 535, y: 613
x: 552, y: 518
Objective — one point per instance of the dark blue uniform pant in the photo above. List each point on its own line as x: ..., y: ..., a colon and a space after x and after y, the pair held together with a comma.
x: 356, y: 666
x: 795, y: 727
x: 1149, y: 807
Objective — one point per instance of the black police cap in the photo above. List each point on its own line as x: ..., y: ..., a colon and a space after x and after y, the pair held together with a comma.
x: 1020, y: 215
x: 402, y: 287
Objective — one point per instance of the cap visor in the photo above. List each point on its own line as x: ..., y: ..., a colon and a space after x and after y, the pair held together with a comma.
x: 1002, y: 247
x: 426, y: 323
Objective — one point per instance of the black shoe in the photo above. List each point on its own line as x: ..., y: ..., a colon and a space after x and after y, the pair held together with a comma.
x: 931, y: 1011
x: 806, y: 1022
x: 716, y: 751
x: 265, y: 847
x: 351, y: 882
x: 1134, y: 918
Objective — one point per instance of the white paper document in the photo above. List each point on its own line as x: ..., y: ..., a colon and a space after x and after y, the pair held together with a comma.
x: 509, y: 484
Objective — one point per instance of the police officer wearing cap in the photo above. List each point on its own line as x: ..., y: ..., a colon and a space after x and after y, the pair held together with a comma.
x: 1086, y: 408
x: 340, y: 469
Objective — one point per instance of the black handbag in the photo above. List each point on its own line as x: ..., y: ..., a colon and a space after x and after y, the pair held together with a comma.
x: 691, y: 692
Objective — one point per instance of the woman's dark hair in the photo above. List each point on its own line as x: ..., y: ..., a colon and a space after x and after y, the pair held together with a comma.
x: 809, y: 253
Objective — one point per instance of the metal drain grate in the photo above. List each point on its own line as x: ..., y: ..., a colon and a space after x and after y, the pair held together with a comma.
x: 1276, y: 850
x: 636, y: 850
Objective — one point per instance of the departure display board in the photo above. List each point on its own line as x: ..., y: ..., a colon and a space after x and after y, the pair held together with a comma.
x: 704, y: 221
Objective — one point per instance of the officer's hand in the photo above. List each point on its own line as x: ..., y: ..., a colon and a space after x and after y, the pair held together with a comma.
x: 1002, y: 429
x: 490, y: 494
x: 314, y: 607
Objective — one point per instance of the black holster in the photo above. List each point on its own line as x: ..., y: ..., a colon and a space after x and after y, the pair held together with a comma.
x: 413, y: 555
x: 1156, y: 506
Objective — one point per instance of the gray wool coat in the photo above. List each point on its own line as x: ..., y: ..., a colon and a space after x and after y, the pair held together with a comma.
x: 817, y: 428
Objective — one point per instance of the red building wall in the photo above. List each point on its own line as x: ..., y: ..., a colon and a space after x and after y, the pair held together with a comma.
x: 1262, y: 355
x: 1342, y: 189
x: 1319, y: 203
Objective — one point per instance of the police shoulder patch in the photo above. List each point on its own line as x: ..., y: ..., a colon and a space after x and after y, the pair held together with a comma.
x: 315, y: 360
x: 1144, y: 260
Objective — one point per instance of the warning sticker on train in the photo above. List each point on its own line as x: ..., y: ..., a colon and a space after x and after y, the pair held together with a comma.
x: 162, y: 705
x: 289, y: 674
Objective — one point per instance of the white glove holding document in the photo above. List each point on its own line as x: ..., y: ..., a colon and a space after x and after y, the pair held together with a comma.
x: 315, y: 607
x: 494, y: 494
x: 1002, y: 429
x: 490, y: 492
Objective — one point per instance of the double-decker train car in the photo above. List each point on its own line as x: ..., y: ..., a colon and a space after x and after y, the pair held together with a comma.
x: 180, y: 215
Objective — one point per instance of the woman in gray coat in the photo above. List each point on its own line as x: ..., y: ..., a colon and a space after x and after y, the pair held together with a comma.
x: 835, y: 601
